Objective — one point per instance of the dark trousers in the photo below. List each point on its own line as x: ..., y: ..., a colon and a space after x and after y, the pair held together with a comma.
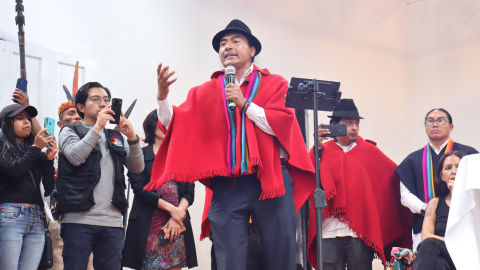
x: 349, y: 252
x: 214, y: 259
x: 233, y: 201
x: 79, y: 240
x: 255, y: 254
x: 433, y: 254
x: 256, y: 259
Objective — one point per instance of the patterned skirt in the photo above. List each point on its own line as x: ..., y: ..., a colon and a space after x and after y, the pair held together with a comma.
x: 162, y: 253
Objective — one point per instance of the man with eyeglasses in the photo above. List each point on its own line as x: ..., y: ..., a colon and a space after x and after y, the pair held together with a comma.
x: 416, y: 171
x: 364, y: 215
x: 67, y: 114
x: 91, y: 181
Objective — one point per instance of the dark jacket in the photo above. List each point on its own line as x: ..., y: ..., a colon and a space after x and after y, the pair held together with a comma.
x: 76, y: 183
x: 410, y: 172
x: 140, y: 219
x: 15, y: 182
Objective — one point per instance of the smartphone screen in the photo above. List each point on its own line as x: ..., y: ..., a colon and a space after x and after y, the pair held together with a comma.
x: 49, y: 123
x: 117, y: 109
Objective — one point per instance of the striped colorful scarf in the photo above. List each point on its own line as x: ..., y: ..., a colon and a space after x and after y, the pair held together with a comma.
x: 252, y: 91
x: 428, y: 185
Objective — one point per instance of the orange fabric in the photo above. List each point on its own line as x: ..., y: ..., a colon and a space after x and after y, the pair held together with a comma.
x: 75, y: 81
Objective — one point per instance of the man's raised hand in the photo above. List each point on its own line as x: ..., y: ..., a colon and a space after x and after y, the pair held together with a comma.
x: 125, y: 127
x: 163, y: 76
x: 102, y: 118
x: 321, y: 132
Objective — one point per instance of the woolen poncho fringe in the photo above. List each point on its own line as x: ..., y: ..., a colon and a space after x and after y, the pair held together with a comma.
x: 362, y: 189
x: 195, y: 145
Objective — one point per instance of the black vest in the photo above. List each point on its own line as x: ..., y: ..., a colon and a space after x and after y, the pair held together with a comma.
x: 75, y: 184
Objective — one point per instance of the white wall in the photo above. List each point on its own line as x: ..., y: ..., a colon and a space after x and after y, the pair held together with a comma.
x: 47, y: 72
x: 444, y: 65
x: 396, y: 60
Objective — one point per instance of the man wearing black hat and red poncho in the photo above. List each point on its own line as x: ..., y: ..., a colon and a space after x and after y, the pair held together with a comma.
x: 364, y: 216
x: 250, y: 159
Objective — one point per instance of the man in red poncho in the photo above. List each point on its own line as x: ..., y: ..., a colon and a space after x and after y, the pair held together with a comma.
x: 250, y: 159
x: 364, y: 216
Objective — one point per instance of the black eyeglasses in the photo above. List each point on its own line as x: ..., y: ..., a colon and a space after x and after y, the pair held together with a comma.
x: 431, y: 122
x: 98, y: 100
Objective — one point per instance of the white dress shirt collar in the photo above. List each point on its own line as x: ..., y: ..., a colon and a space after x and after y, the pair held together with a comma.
x: 245, y: 75
x: 437, y: 151
x: 348, y: 147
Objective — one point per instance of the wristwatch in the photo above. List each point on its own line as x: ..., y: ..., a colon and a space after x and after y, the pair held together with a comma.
x: 134, y: 141
x: 424, y: 207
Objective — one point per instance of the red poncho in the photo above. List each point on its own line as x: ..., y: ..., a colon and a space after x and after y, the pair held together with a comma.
x: 195, y: 145
x: 362, y: 189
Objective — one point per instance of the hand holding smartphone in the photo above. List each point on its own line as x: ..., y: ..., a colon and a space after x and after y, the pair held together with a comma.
x: 117, y: 109
x: 49, y: 123
x: 337, y: 130
x: 22, y: 85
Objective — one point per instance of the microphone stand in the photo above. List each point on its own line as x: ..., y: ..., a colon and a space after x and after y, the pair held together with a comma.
x: 20, y: 21
x: 299, y: 96
x: 319, y: 194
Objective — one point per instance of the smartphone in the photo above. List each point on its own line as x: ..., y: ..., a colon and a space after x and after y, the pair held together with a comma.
x: 49, y: 123
x: 22, y: 84
x: 338, y: 130
x: 117, y: 109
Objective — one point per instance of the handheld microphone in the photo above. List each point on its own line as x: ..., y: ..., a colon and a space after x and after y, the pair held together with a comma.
x: 230, y: 71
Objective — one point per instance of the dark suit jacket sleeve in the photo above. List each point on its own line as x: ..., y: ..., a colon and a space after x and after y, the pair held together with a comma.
x: 138, y: 182
x: 189, y: 193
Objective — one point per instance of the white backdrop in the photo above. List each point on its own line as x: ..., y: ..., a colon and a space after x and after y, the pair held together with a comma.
x: 397, y: 59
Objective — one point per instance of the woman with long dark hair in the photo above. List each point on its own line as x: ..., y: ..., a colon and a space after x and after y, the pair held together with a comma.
x: 148, y: 246
x: 432, y: 251
x: 22, y: 234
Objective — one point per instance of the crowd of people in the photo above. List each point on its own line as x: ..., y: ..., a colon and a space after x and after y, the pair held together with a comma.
x: 252, y: 161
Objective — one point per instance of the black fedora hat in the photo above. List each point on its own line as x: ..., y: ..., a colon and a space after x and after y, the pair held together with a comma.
x: 14, y: 109
x: 346, y: 108
x: 237, y: 26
